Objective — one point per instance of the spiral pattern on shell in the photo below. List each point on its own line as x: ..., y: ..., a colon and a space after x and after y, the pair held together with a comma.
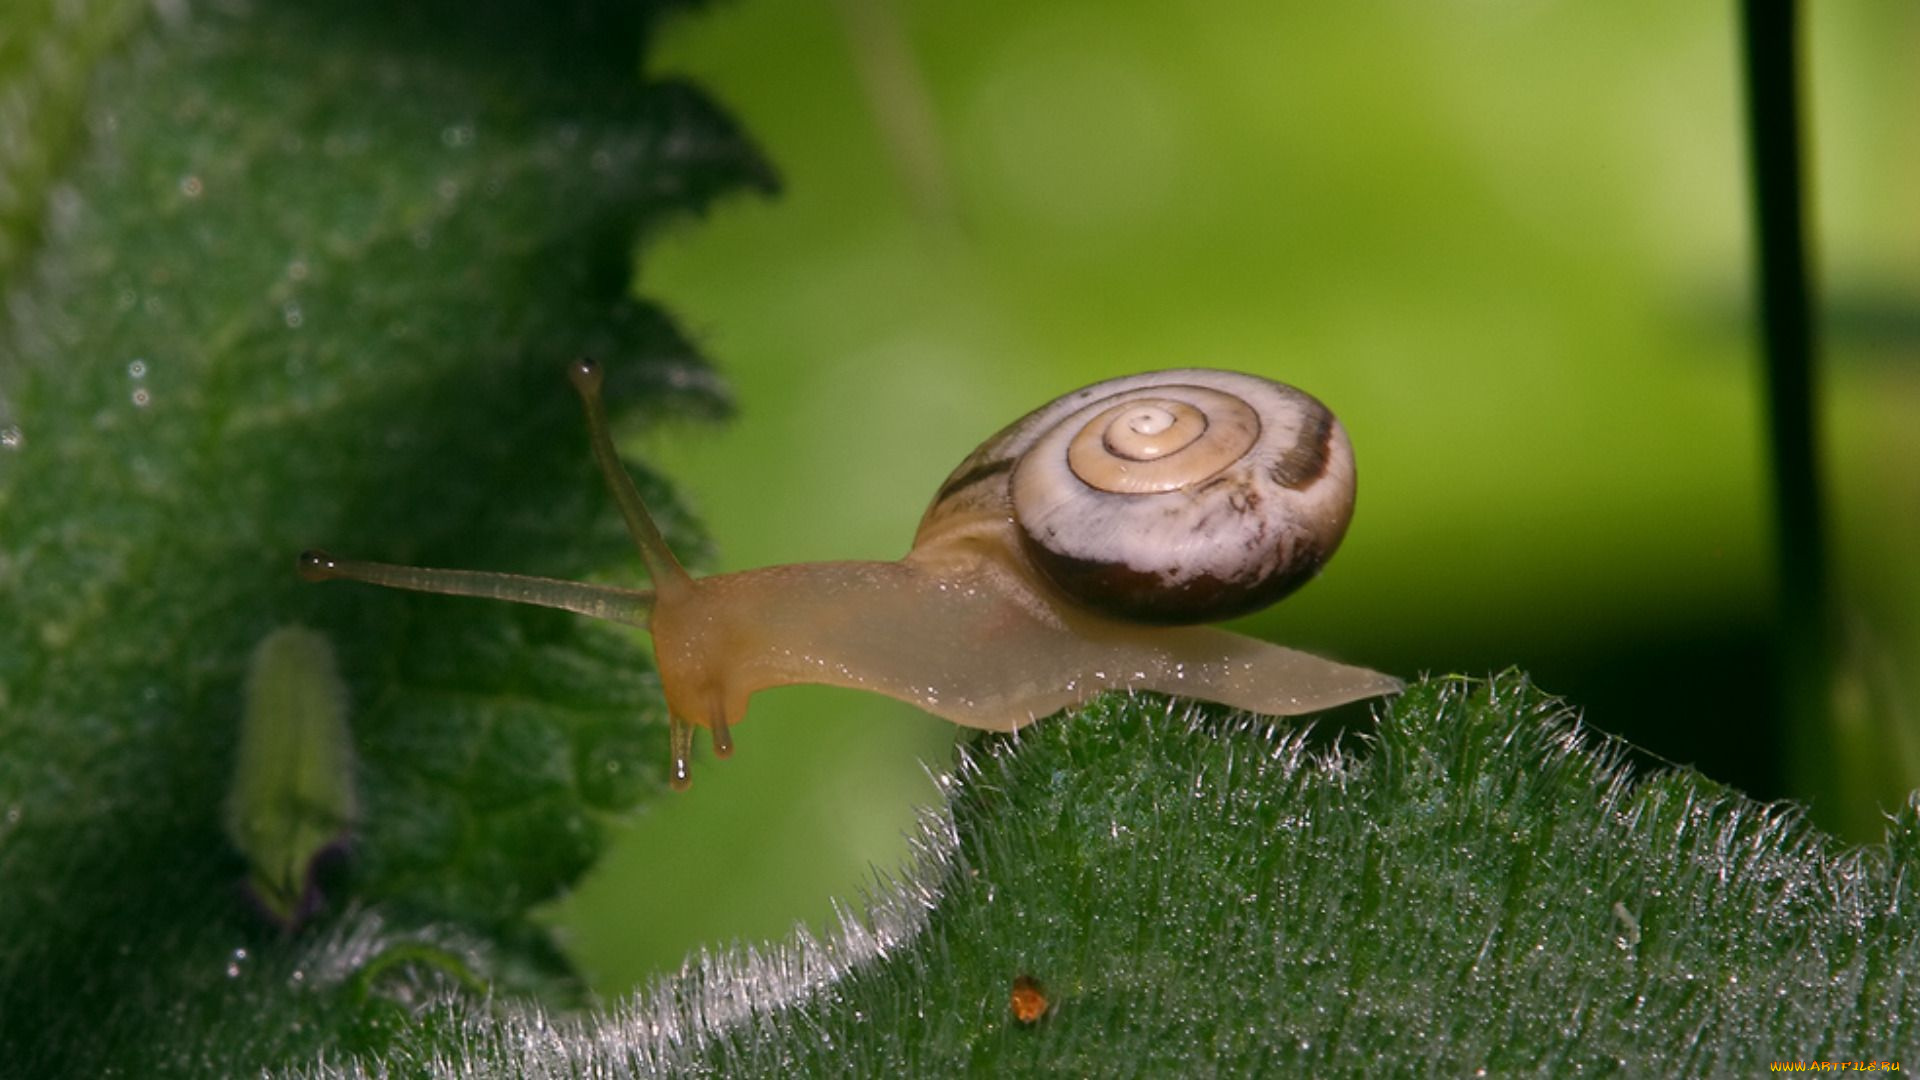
x: 1179, y: 496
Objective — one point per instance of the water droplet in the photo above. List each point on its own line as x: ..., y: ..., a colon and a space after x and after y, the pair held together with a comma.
x: 142, y: 399
x: 235, y: 963
x: 291, y: 312
x: 137, y: 369
x: 191, y: 187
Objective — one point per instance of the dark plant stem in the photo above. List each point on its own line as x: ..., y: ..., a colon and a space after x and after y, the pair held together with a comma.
x: 1770, y: 41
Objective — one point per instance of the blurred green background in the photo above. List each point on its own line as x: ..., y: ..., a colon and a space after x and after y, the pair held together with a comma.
x: 1507, y: 242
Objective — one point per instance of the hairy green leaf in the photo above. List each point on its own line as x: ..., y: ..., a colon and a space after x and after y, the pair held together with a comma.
x: 1479, y: 887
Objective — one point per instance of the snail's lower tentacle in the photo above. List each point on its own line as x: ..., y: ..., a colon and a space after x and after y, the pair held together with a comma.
x: 680, y: 750
x: 722, y: 735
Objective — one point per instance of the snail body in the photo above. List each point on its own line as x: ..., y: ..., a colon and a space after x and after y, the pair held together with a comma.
x: 1064, y: 557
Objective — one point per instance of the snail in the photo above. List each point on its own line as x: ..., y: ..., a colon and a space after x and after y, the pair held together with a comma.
x: 1070, y: 554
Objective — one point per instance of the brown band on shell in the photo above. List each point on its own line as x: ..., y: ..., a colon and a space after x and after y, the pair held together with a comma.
x: 1145, y: 596
x: 1306, y: 460
x: 960, y: 481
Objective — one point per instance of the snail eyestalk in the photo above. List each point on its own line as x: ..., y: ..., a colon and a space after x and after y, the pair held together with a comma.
x: 668, y: 575
x: 630, y: 606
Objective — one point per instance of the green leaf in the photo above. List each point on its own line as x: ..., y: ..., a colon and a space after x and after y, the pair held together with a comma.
x: 310, y: 275
x: 46, y: 56
x: 279, y: 277
x: 1478, y: 885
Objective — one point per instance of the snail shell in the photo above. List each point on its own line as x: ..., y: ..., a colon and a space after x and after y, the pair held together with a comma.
x: 1172, y: 497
